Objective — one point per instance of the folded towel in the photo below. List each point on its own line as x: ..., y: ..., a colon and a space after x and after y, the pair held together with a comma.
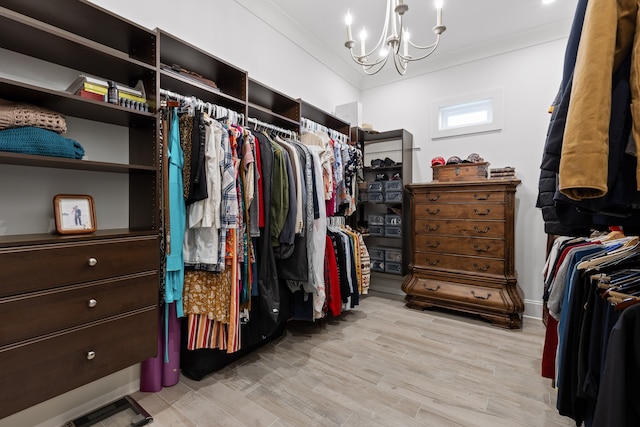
x: 42, y: 142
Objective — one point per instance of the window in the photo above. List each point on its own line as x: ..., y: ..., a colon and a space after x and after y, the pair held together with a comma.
x: 466, y: 115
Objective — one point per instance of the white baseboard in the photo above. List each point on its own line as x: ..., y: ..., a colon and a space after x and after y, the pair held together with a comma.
x: 533, y: 308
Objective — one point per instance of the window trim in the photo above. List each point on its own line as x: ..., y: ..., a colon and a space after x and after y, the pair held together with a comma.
x: 497, y: 114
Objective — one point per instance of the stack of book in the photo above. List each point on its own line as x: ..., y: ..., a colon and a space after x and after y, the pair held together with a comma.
x: 502, y: 173
x: 97, y: 88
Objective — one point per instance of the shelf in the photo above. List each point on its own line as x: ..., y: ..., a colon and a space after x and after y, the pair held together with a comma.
x: 280, y: 105
x: 267, y: 116
x: 231, y: 80
x: 93, y: 23
x: 382, y: 168
x: 187, y: 87
x: 312, y: 113
x: 8, y: 158
x: 72, y: 105
x: 42, y: 41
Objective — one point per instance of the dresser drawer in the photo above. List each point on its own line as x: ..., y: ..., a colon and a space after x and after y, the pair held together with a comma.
x: 447, y: 196
x: 479, y: 211
x: 493, y: 248
x: 43, y: 368
x: 470, y: 228
x: 69, y: 263
x: 463, y: 294
x: 469, y: 264
x: 38, y: 313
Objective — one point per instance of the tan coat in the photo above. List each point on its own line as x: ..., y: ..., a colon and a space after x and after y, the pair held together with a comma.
x: 608, y: 34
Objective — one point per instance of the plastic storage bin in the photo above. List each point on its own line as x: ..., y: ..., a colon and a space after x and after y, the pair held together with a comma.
x: 392, y: 219
x: 390, y: 231
x: 376, y: 253
x: 377, y: 230
x: 377, y: 265
x: 393, y: 267
x: 393, y: 185
x: 376, y: 197
x: 376, y: 219
x: 393, y: 196
x: 375, y: 186
x: 392, y: 254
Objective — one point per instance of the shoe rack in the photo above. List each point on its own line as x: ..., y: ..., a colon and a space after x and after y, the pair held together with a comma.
x: 381, y: 215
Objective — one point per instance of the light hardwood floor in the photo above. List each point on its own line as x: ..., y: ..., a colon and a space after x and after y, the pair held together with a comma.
x: 378, y: 365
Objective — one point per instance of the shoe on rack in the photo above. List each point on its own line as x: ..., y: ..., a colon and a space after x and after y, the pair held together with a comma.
x: 397, y: 176
x: 377, y: 163
x: 382, y: 177
x: 388, y: 162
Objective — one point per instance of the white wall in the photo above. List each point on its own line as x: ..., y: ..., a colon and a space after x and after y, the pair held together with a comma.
x: 529, y: 79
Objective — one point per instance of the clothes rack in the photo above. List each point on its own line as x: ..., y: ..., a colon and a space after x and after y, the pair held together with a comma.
x: 214, y: 110
x: 311, y: 126
x: 282, y: 131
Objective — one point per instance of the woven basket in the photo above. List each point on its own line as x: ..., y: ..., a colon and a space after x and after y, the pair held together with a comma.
x: 19, y: 115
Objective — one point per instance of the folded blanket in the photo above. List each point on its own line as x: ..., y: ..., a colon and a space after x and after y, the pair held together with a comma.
x: 17, y: 115
x: 42, y: 142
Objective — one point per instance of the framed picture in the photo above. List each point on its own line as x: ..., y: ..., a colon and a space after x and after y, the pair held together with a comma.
x: 75, y: 213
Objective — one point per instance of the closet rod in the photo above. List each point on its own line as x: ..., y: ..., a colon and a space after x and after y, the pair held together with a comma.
x: 310, y: 125
x: 214, y: 110
x: 290, y: 133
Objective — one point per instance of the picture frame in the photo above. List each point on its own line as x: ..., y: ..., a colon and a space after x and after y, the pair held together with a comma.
x: 74, y: 213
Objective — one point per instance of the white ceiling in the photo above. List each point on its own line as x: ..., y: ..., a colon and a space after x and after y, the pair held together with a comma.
x: 475, y: 29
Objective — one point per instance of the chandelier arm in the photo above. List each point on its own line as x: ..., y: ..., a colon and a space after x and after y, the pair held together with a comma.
x: 400, y: 64
x: 357, y: 60
x: 432, y: 48
x: 366, y: 68
x: 428, y: 46
x: 383, y: 35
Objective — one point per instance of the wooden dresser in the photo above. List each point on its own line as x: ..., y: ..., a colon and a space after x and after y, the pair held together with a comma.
x: 462, y: 249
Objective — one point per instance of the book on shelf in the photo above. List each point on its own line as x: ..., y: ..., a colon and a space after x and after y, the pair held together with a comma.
x: 504, y: 169
x: 87, y: 82
x: 102, y: 90
x: 92, y: 95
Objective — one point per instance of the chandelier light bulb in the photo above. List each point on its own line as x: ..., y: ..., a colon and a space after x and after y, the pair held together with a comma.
x: 363, y: 38
x: 348, y: 20
x: 363, y: 34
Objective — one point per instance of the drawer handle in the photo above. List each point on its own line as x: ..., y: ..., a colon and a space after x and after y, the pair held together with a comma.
x: 433, y: 245
x: 436, y: 262
x: 475, y: 196
x: 430, y: 228
x: 433, y: 198
x: 477, y: 212
x: 91, y: 355
x: 478, y: 248
x: 485, y: 268
x: 92, y: 303
x: 480, y: 296
x: 430, y: 212
x: 432, y: 289
x: 477, y: 230
x: 92, y: 262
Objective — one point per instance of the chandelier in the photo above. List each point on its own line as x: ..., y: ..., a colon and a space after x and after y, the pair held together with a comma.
x: 395, y: 40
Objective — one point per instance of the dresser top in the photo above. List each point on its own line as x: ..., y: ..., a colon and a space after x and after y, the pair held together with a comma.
x: 465, y: 184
